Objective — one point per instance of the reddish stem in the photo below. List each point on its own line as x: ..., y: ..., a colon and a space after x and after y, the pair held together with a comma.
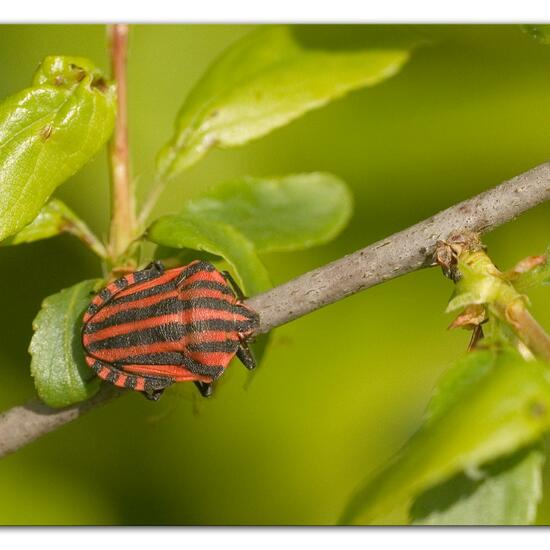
x: 123, y: 217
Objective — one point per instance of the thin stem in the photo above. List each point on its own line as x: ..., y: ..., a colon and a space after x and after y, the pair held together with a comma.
x: 149, y: 203
x: 529, y: 331
x: 80, y: 230
x: 123, y: 216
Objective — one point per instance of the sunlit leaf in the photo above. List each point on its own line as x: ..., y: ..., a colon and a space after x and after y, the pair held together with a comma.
x: 289, y: 213
x: 265, y: 81
x: 61, y: 376
x: 47, y: 133
x: 490, y: 404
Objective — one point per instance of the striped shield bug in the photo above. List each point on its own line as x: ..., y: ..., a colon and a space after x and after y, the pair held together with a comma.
x: 155, y: 327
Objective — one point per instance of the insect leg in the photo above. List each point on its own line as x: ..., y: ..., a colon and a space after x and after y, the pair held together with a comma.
x: 153, y: 395
x: 205, y: 388
x: 245, y: 355
x: 229, y: 278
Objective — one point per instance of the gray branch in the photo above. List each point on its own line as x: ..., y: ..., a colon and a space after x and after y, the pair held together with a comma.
x: 403, y: 252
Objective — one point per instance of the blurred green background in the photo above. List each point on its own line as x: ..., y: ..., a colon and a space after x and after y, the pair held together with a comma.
x: 340, y: 390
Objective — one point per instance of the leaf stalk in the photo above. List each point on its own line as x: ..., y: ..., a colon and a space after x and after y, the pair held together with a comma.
x: 159, y: 184
x: 82, y: 232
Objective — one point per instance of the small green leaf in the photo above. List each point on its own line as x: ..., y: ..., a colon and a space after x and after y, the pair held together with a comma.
x: 191, y: 231
x: 279, y: 214
x: 540, y: 275
x: 493, y: 404
x: 262, y: 82
x: 47, y: 133
x: 505, y: 492
x: 540, y: 33
x: 51, y: 221
x: 60, y: 373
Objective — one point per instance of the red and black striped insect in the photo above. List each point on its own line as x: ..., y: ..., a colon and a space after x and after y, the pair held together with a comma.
x: 152, y: 328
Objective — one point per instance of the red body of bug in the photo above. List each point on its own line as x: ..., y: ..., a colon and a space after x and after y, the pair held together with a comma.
x: 152, y: 328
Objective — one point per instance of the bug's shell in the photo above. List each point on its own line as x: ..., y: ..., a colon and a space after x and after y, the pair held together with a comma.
x: 152, y: 327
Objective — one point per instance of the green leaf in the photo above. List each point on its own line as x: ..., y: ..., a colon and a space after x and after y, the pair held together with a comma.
x: 51, y: 221
x: 506, y: 492
x: 262, y: 82
x: 60, y: 373
x: 47, y: 133
x: 279, y: 214
x: 540, y: 33
x: 490, y: 404
x: 540, y: 275
x: 192, y: 231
